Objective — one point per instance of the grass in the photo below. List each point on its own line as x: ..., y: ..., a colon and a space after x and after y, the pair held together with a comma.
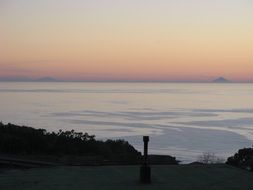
x: 211, y: 177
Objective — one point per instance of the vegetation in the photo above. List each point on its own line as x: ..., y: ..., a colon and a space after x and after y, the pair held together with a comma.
x: 243, y: 159
x: 210, y: 158
x: 29, y: 141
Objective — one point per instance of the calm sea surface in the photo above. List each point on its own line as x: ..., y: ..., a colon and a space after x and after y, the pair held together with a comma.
x: 182, y: 119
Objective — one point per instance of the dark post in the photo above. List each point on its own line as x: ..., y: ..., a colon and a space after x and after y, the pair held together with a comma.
x: 145, y: 171
x: 145, y: 140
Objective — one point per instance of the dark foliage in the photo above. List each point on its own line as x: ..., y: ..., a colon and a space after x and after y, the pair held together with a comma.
x: 29, y: 141
x: 243, y: 159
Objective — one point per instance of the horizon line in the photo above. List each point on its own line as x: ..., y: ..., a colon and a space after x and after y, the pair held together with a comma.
x: 55, y: 79
x: 123, y: 81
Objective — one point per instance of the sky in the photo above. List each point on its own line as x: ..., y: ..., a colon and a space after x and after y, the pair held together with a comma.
x: 131, y: 40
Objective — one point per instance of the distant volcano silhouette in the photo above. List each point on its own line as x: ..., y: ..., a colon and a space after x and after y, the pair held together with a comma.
x: 46, y: 79
x: 221, y: 80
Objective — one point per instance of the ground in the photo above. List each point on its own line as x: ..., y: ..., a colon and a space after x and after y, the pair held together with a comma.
x: 185, y: 177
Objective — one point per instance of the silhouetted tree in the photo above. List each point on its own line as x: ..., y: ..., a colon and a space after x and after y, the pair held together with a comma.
x: 243, y: 159
x: 210, y: 158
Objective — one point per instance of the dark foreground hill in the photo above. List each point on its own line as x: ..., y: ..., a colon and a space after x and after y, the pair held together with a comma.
x: 27, y: 141
x: 24, y: 146
x: 177, y: 177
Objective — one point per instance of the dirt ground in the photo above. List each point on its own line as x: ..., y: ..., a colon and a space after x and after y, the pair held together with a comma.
x: 211, y: 177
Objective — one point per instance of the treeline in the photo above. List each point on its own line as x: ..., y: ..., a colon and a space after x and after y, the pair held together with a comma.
x: 29, y: 141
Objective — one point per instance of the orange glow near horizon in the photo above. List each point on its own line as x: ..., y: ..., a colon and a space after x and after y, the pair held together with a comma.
x: 144, y: 40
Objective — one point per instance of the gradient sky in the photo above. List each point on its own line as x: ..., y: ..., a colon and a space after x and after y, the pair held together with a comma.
x: 175, y: 40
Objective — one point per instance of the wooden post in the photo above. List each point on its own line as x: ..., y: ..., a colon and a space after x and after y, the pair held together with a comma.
x: 145, y: 170
x: 145, y: 140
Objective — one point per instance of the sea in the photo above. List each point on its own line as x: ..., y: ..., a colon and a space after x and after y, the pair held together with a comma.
x: 184, y: 120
